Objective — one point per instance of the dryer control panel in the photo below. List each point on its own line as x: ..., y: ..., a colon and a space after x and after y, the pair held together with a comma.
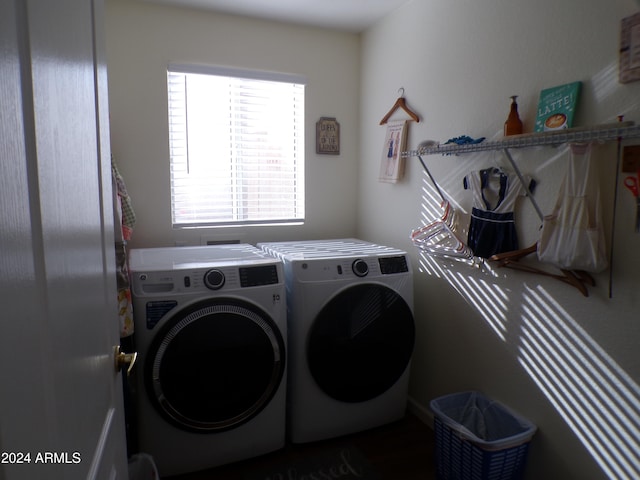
x: 314, y: 270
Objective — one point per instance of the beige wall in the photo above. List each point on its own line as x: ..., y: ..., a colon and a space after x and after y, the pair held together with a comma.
x: 568, y: 363
x: 142, y: 39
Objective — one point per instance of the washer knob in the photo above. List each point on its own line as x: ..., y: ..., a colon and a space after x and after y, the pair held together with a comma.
x: 360, y: 268
x: 214, y: 279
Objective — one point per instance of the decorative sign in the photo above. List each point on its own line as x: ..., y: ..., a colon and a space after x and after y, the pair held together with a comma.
x: 557, y: 107
x: 630, y: 49
x: 328, y: 136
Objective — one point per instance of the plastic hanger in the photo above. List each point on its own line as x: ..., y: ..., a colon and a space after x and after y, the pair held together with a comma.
x: 438, y: 238
x: 400, y: 103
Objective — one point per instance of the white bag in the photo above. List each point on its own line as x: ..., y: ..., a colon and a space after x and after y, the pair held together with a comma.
x: 572, y: 237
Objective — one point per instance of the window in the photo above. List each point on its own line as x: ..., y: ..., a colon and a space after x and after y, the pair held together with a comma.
x: 236, y: 143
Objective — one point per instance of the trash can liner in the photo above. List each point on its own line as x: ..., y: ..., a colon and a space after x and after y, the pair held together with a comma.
x: 482, y: 421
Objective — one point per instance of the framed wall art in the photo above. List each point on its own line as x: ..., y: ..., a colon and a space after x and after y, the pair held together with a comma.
x: 328, y: 136
x: 630, y: 49
x: 392, y: 162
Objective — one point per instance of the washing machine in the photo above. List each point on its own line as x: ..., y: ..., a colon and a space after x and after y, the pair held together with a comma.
x: 351, y: 335
x: 210, y: 330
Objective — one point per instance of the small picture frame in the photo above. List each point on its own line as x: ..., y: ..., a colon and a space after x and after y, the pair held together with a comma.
x: 630, y: 49
x: 328, y: 136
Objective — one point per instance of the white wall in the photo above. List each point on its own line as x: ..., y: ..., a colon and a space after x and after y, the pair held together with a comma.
x: 566, y: 362
x: 143, y: 38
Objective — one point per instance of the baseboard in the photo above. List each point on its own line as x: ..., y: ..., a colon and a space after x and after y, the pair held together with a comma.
x: 423, y: 413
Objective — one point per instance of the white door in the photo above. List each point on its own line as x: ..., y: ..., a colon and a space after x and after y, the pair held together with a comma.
x: 61, y: 414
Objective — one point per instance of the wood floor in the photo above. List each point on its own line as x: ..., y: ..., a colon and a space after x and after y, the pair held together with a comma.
x: 402, y: 450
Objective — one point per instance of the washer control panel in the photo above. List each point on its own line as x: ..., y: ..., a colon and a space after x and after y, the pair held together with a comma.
x: 204, y: 279
x: 391, y: 265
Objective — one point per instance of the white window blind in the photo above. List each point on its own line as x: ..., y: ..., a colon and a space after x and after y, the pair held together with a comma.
x: 236, y: 147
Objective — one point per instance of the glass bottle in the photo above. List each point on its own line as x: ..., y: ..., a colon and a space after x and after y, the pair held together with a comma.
x: 513, y: 125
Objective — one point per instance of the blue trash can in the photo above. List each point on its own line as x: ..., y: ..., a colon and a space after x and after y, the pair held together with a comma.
x: 479, y: 439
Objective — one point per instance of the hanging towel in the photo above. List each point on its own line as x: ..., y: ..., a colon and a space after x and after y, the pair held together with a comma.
x: 127, y: 215
x: 124, y: 220
x: 572, y: 236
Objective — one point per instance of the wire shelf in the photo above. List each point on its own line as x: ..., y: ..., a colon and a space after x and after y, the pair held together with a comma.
x: 600, y: 133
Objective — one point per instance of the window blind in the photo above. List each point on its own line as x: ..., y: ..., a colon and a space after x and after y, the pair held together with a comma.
x: 236, y: 147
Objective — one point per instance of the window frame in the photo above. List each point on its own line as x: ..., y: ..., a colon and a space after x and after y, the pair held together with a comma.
x: 298, y: 146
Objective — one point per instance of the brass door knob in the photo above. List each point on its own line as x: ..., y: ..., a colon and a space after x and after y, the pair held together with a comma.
x: 124, y: 360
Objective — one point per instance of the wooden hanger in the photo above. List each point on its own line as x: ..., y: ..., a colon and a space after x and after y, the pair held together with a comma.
x: 576, y: 278
x: 400, y: 103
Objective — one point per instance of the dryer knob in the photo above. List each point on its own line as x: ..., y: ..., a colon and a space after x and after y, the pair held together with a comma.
x: 360, y: 268
x: 214, y: 279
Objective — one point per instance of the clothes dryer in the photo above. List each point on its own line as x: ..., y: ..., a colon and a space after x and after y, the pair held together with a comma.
x: 351, y: 335
x: 210, y: 329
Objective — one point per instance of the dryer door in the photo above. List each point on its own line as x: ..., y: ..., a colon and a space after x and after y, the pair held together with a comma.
x: 361, y: 342
x: 215, y: 365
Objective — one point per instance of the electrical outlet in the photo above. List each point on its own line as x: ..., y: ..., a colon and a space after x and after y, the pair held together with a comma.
x: 631, y: 159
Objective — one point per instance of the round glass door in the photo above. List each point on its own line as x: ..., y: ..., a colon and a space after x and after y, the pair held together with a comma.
x: 215, y: 365
x: 361, y: 342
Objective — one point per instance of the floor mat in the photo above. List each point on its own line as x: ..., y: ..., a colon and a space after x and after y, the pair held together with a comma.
x: 346, y: 463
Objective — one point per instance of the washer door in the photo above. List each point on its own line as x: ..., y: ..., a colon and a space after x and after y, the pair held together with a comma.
x: 215, y: 365
x: 361, y: 342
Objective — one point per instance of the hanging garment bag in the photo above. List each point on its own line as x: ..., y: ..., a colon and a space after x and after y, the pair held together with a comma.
x: 572, y: 236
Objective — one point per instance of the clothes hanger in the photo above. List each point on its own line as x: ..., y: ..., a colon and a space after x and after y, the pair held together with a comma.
x: 400, y: 103
x: 439, y: 239
x: 576, y: 278
x: 566, y: 277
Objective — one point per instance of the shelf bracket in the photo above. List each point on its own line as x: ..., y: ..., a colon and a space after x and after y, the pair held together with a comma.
x: 507, y: 153
x: 424, y: 166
